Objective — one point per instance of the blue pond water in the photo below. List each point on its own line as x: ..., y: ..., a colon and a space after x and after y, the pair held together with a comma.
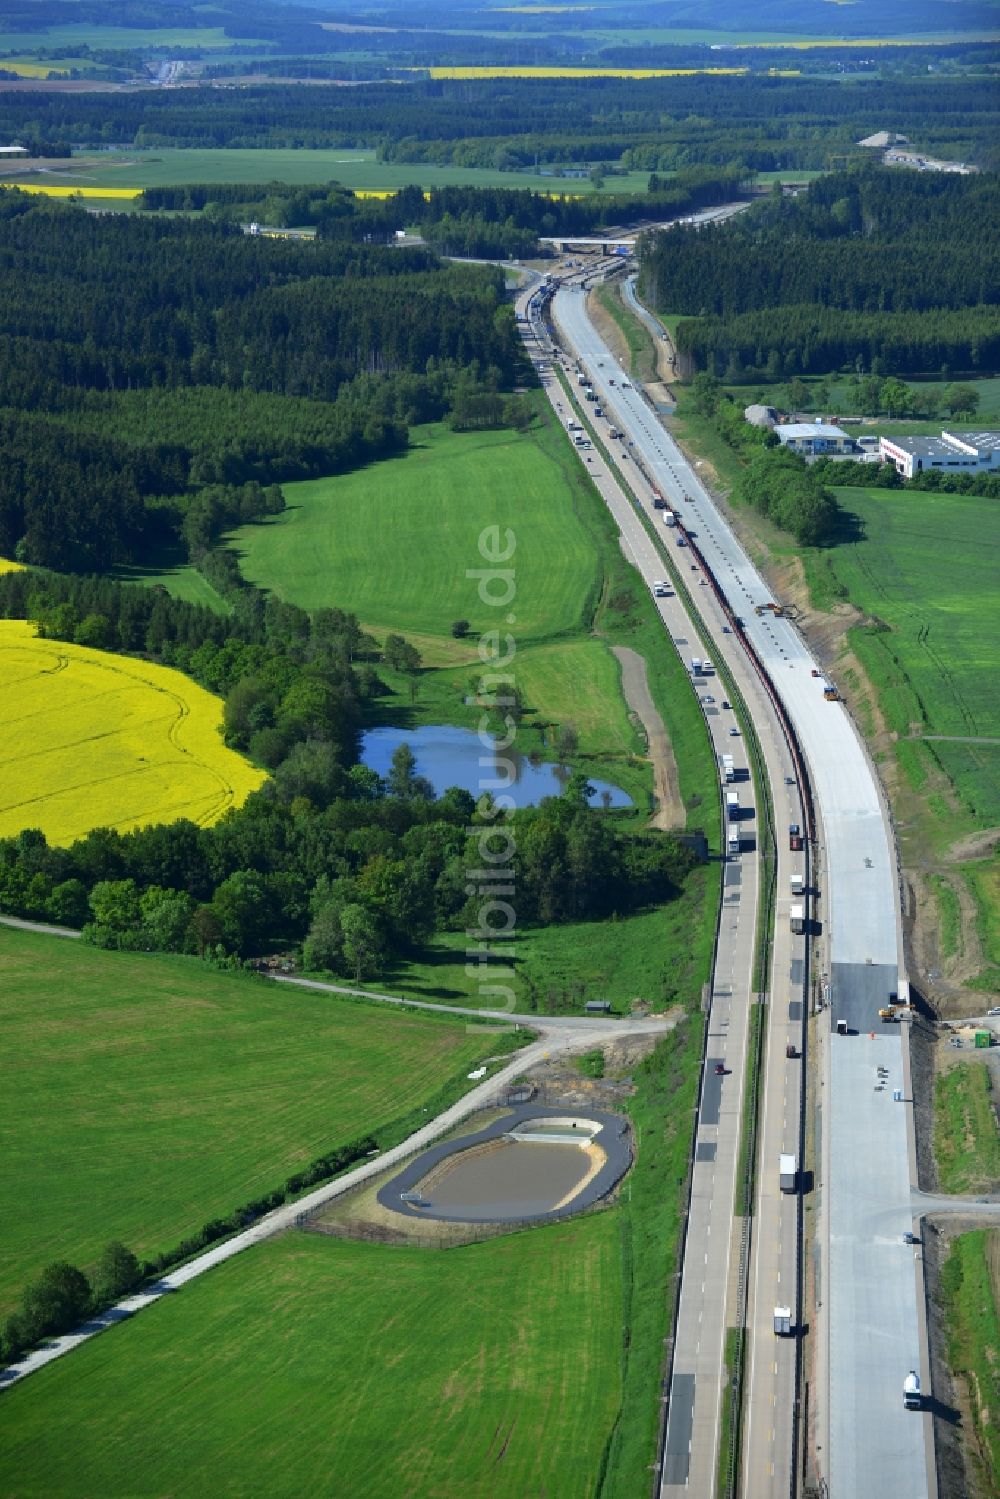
x: 455, y: 757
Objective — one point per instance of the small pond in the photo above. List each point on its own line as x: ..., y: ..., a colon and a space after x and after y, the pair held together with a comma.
x: 448, y: 756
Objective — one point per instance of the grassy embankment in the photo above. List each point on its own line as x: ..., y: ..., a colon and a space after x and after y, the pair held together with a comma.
x: 319, y: 552
x: 966, y: 1138
x: 922, y: 574
x: 970, y: 1286
x: 642, y: 353
x: 166, y: 1094
x: 918, y: 568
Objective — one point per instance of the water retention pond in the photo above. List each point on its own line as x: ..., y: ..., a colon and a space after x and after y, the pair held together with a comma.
x: 448, y: 756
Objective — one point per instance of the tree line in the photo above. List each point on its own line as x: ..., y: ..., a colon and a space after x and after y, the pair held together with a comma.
x: 874, y: 268
x: 775, y: 482
x: 659, y: 124
x: 143, y: 358
x: 326, y: 852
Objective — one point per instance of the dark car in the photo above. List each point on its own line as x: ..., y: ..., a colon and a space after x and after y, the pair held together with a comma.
x: 720, y: 1070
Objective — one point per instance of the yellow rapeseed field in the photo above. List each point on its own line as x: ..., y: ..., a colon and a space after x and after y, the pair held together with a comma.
x: 89, y: 739
x: 6, y: 566
x: 503, y: 72
x: 48, y: 191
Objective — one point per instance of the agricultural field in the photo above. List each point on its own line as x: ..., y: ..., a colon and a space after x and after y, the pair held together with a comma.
x: 493, y: 1369
x: 167, y: 1094
x: 92, y: 739
x: 449, y: 486
x: 491, y: 71
x: 359, y: 170
x: 924, y: 573
x: 123, y: 38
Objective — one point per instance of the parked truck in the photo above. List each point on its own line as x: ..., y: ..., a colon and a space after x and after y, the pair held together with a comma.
x: 795, y: 838
x: 796, y: 884
x: 728, y: 769
x: 782, y: 1321
x: 733, y: 843
x: 669, y: 518
x: 797, y: 919
x: 788, y: 1173
x: 659, y: 503
x: 911, y: 1391
x: 732, y: 806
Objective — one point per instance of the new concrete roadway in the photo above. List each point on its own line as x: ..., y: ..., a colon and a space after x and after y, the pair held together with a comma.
x: 871, y: 1301
x: 719, y: 1268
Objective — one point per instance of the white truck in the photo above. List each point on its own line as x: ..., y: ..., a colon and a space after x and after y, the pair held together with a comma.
x: 911, y: 1391
x: 782, y: 1321
x: 797, y: 919
x: 788, y: 1173
x: 796, y: 884
x: 733, y: 843
x: 695, y: 666
x: 728, y: 769
x: 732, y: 806
x: 669, y: 518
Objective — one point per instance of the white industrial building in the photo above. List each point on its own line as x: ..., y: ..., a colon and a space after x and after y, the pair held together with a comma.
x: 814, y: 437
x: 971, y: 452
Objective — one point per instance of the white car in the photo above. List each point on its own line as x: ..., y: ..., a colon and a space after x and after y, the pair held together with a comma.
x: 734, y: 732
x: 995, y: 1010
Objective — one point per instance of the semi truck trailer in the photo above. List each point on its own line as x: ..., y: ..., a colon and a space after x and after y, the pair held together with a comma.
x: 788, y: 1173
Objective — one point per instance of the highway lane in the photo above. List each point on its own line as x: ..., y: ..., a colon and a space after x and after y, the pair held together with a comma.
x: 871, y: 1441
x: 716, y: 1265
x: 713, y: 1255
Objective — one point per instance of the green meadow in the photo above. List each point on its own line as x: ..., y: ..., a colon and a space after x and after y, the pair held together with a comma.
x: 145, y: 1095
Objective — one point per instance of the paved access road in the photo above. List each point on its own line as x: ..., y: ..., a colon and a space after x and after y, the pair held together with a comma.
x: 871, y: 1324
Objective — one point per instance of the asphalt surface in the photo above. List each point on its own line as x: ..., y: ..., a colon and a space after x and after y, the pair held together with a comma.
x: 860, y: 931
x: 718, y: 1262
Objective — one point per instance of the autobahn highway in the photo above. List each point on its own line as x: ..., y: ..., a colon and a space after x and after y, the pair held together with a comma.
x: 723, y: 1256
x: 869, y: 1293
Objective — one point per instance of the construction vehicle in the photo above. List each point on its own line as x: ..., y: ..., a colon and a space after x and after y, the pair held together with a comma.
x: 788, y: 1173
x: 888, y: 1014
x: 795, y: 838
x: 830, y: 692
x: 782, y: 1321
x: 777, y: 610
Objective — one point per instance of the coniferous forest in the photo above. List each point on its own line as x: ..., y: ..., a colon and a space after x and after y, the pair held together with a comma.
x: 875, y: 269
